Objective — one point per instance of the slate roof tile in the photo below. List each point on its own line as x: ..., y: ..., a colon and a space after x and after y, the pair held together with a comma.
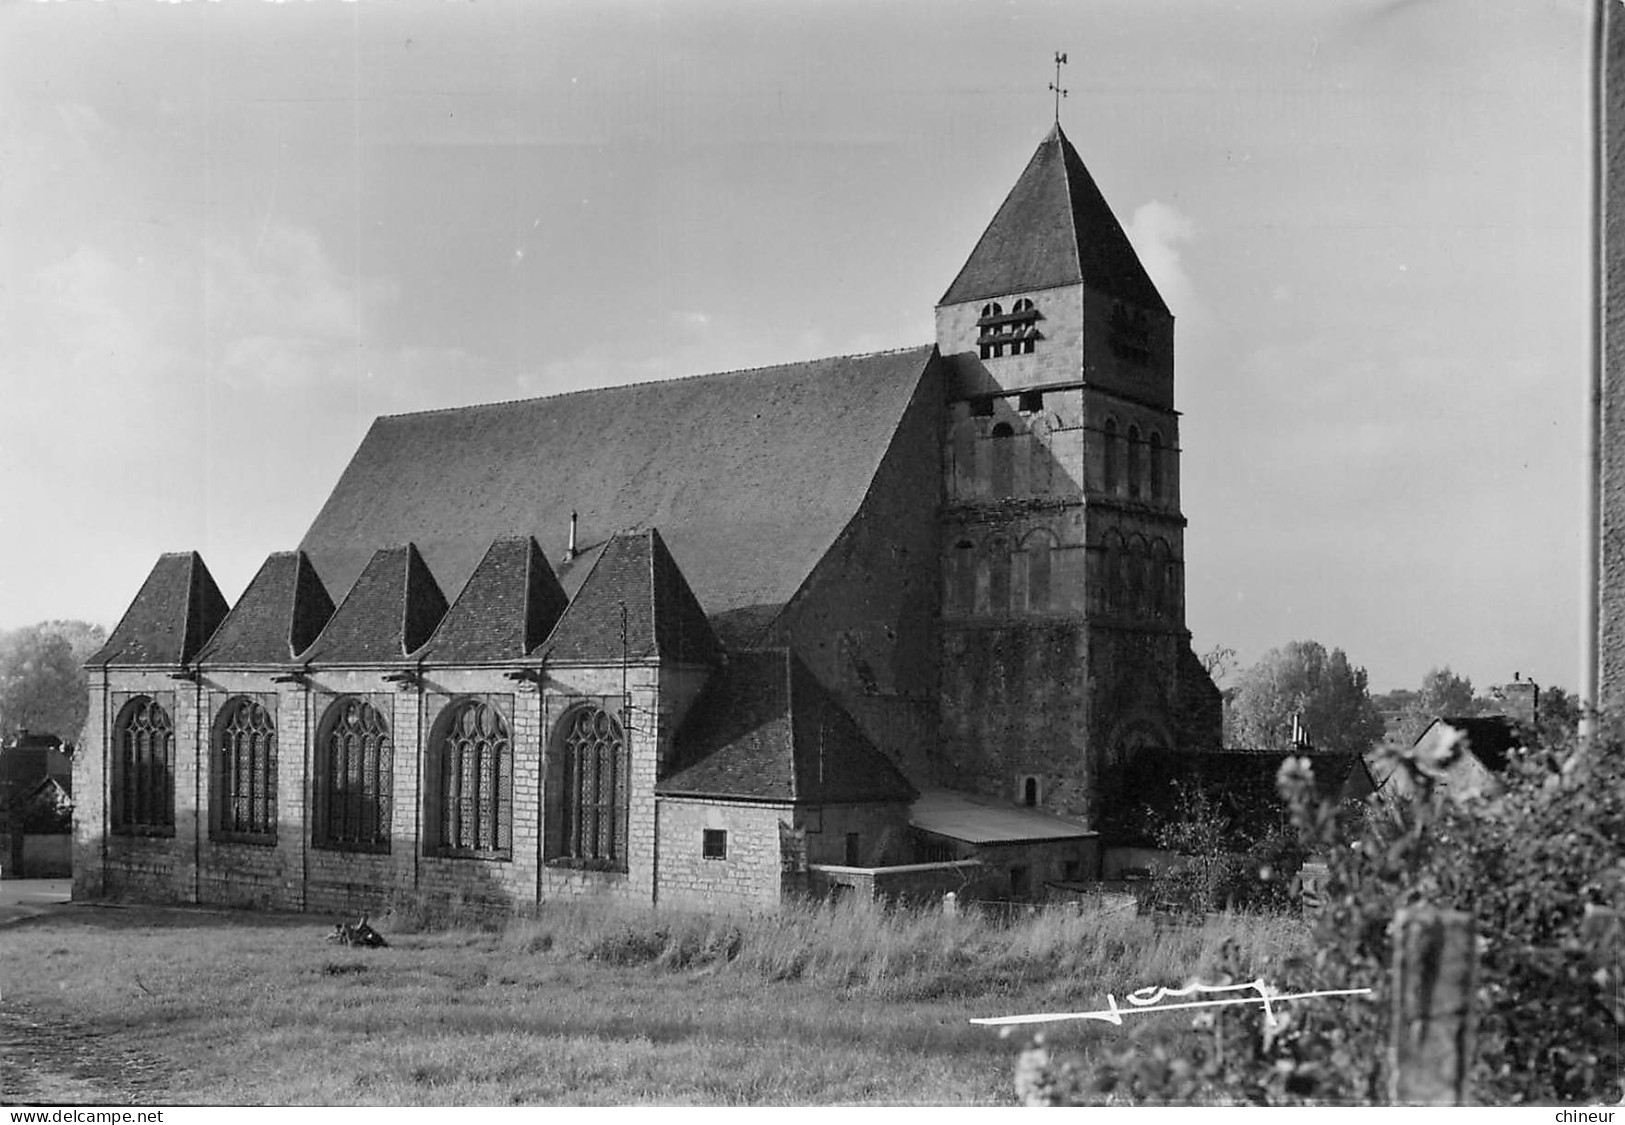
x: 509, y: 604
x: 279, y: 615
x: 388, y: 614
x: 1054, y: 228
x: 766, y: 729
x: 663, y: 618
x: 173, y: 615
x: 750, y: 476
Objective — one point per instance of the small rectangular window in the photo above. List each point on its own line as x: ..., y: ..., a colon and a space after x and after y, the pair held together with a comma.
x: 715, y: 844
x: 854, y: 854
x: 1031, y: 402
x: 981, y: 408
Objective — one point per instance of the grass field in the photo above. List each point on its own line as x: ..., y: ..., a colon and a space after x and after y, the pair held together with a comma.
x: 581, y: 1005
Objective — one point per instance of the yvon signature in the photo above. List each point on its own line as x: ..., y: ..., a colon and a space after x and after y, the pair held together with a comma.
x: 1151, y: 1000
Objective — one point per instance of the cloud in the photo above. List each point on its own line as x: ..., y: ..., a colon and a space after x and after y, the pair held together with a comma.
x: 281, y: 314
x: 1156, y: 230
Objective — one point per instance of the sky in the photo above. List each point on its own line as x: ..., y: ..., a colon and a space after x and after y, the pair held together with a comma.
x: 233, y: 234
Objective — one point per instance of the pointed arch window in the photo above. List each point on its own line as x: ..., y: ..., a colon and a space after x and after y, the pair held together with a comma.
x: 143, y: 783
x: 354, y: 772
x: 471, y: 807
x: 244, y: 778
x: 588, y: 791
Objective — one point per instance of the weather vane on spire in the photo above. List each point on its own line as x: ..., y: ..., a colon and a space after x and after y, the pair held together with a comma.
x: 1060, y: 60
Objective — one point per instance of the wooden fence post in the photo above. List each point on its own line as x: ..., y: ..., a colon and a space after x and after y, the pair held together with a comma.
x: 1435, y: 976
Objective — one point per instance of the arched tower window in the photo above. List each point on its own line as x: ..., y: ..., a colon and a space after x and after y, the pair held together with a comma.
x: 1156, y: 465
x: 1003, y: 460
x: 472, y: 811
x: 1161, y: 590
x: 1038, y: 572
x: 1135, y: 477
x: 1024, y: 332
x: 998, y: 577
x: 1110, y: 455
x: 143, y: 783
x: 587, y: 791
x: 1029, y: 791
x: 964, y: 577
x: 990, y: 340
x: 354, y: 772
x: 244, y: 806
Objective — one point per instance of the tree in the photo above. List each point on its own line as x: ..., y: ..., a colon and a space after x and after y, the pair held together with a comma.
x: 1557, y: 716
x: 1444, y: 695
x: 42, y: 679
x: 1323, y: 690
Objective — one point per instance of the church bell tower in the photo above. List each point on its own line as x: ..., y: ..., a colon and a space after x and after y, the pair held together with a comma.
x: 1063, y: 611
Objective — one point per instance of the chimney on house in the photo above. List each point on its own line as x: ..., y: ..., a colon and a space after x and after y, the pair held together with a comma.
x: 570, y: 551
x: 1520, y: 700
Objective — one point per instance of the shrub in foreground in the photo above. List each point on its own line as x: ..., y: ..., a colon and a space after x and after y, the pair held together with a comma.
x: 1539, y: 863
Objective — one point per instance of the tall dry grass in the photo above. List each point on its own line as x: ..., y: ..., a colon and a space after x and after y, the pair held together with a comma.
x: 910, y: 953
x: 590, y: 1003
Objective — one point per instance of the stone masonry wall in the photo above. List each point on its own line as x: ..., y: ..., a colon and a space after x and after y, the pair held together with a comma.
x: 1055, y: 359
x: 746, y: 878
x: 293, y: 870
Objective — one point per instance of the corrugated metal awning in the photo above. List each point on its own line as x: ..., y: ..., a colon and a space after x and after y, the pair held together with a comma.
x: 975, y: 819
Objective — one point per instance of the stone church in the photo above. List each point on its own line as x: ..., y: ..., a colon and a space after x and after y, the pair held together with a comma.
x: 862, y: 622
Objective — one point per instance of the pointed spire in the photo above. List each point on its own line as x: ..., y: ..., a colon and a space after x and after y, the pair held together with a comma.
x: 173, y: 615
x: 1054, y: 228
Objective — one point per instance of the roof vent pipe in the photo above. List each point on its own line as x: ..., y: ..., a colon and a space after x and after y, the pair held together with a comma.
x: 570, y: 551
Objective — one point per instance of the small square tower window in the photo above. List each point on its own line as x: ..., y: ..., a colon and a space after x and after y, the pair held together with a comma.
x: 715, y: 844
x: 981, y: 407
x: 1031, y: 402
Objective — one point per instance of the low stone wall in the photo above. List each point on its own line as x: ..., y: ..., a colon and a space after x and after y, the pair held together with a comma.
x: 912, y: 882
x: 46, y: 856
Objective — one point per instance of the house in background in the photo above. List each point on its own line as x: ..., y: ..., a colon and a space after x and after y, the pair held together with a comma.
x: 1471, y: 751
x: 36, y: 803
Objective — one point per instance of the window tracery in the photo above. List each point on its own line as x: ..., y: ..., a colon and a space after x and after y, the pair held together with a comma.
x: 143, y: 783
x: 244, y: 806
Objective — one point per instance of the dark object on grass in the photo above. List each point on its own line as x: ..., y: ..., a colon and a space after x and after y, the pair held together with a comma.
x: 359, y: 934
